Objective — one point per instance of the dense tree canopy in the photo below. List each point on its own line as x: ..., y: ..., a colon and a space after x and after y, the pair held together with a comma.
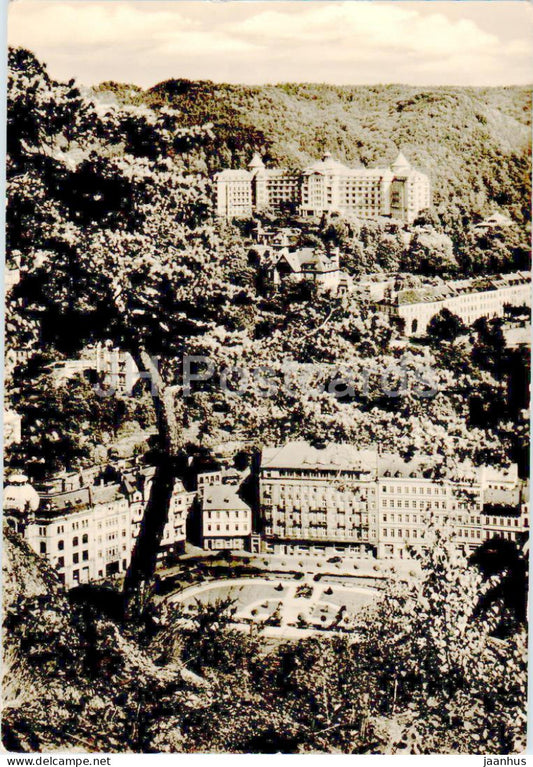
x: 112, y: 225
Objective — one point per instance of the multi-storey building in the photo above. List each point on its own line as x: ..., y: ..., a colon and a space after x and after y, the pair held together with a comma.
x: 409, y: 499
x: 326, y: 186
x: 312, y: 499
x: 234, y: 194
x: 87, y: 527
x: 226, y: 518
x: 116, y: 369
x: 339, y: 499
x: 468, y: 299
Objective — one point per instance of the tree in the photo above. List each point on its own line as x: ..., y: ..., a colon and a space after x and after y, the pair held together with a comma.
x: 128, y: 251
x: 435, y: 665
x: 445, y: 326
x: 428, y: 217
x: 430, y: 252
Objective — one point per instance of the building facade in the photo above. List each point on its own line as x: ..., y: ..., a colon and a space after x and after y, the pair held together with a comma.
x: 87, y: 529
x: 226, y: 518
x: 327, y: 186
x: 468, y: 299
x: 307, y: 264
x: 318, y: 500
x: 341, y: 500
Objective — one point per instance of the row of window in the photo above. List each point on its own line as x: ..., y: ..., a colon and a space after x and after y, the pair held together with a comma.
x: 412, y: 504
x: 234, y: 528
x: 75, y: 558
x: 227, y: 514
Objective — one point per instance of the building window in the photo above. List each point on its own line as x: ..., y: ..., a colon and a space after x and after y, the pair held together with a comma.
x: 75, y: 541
x: 85, y: 538
x: 75, y: 558
x: 42, y: 547
x: 61, y: 561
x: 85, y: 555
x: 61, y: 545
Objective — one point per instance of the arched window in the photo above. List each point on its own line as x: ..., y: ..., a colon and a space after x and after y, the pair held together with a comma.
x: 85, y: 538
x: 75, y: 541
x: 414, y: 326
x: 61, y: 545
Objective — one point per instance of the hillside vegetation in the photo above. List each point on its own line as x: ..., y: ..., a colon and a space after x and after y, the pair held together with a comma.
x: 473, y: 142
x: 422, y: 676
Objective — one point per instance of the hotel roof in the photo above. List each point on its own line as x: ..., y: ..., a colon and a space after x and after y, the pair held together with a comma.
x: 301, y: 455
x: 234, y: 175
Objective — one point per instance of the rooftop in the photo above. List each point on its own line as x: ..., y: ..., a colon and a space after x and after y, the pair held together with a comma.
x: 301, y: 455
x: 451, y: 288
x: 223, y: 498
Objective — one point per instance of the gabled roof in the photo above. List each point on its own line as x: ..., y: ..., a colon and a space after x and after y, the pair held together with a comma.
x: 223, y: 498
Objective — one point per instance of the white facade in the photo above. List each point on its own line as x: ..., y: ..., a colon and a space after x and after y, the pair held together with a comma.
x: 226, y: 518
x: 88, y: 533
x: 468, y: 299
x: 338, y: 499
x: 326, y: 186
x: 117, y: 368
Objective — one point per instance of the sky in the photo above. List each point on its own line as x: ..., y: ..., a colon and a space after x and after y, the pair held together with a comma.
x: 428, y: 42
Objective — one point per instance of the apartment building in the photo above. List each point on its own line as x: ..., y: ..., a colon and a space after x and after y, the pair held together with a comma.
x: 468, y: 299
x: 339, y: 499
x: 226, y: 518
x: 234, y: 194
x: 326, y: 186
x: 87, y: 527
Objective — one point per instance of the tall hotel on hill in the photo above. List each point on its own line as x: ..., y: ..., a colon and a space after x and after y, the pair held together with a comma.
x: 327, y: 186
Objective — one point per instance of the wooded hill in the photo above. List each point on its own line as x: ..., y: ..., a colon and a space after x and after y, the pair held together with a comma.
x: 473, y: 142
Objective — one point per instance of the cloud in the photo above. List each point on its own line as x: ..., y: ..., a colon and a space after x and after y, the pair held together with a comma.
x: 343, y: 42
x: 371, y: 25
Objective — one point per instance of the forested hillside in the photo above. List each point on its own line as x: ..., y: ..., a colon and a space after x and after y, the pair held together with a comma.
x: 473, y: 142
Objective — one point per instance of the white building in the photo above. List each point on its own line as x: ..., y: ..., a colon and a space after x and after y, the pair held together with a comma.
x: 468, y: 299
x: 87, y: 532
x: 356, y: 502
x: 326, y: 186
x: 226, y: 518
x: 116, y: 368
x: 314, y: 500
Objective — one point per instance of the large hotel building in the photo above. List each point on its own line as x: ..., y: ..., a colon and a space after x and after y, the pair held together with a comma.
x: 358, y: 502
x: 327, y: 186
